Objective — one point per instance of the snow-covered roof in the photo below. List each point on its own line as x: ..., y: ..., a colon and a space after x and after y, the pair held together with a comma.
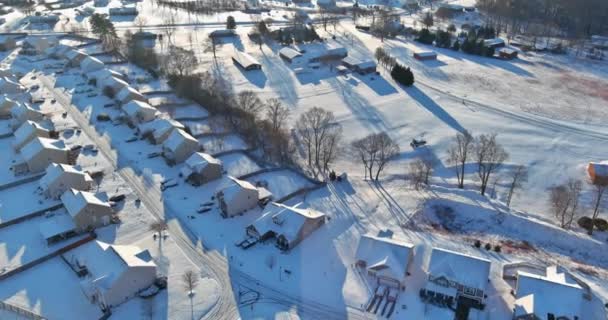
x: 58, y: 50
x: 507, y: 50
x: 386, y: 256
x: 134, y: 107
x: 56, y: 225
x: 19, y: 110
x: 56, y: 170
x: 245, y: 59
x: 107, y: 262
x: 555, y: 292
x: 103, y: 74
x: 285, y: 220
x: 493, y: 42
x: 234, y: 187
x: 9, y: 86
x: 5, y: 38
x: 75, y: 201
x: 198, y: 161
x: 6, y: 102
x: 89, y: 64
x: 114, y: 82
x: 37, y: 145
x: 26, y: 131
x: 464, y: 269
x: 74, y: 54
x: 176, y: 139
x: 160, y: 126
x: 600, y: 168
x: 290, y: 53
x: 359, y: 63
x: 125, y: 92
x: 425, y: 53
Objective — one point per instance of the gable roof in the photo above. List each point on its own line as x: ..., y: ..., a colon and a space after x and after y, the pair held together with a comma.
x: 57, y: 170
x: 290, y: 53
x: 234, y: 187
x: 553, y: 293
x: 38, y: 144
x: 285, y: 220
x: 386, y: 256
x: 200, y: 160
x: 75, y: 201
x: 177, y: 138
x: 462, y: 268
x: 91, y: 64
x: 135, y: 106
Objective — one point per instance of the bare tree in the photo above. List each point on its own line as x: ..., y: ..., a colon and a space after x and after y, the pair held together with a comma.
x: 459, y: 154
x: 490, y: 156
x: 330, y: 147
x: 427, y: 20
x: 416, y: 174
x: 519, y: 175
x: 169, y: 20
x: 276, y: 113
x: 140, y: 22
x: 158, y: 227
x: 375, y: 151
x: 190, y: 280
x: 315, y: 128
x: 600, y: 185
x: 211, y: 44
x: 564, y: 201
x: 248, y: 101
x: 180, y: 61
x: 387, y: 150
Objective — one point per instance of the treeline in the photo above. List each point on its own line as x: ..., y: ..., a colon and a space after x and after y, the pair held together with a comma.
x: 561, y: 18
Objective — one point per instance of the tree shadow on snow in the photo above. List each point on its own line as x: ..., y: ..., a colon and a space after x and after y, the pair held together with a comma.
x: 428, y: 103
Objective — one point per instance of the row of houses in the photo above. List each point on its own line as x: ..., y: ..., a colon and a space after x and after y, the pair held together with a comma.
x: 460, y: 281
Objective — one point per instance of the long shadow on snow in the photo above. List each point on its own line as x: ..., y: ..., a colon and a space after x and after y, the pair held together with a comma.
x: 428, y: 103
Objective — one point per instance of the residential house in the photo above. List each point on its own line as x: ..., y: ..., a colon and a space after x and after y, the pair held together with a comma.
x: 425, y: 55
x: 456, y: 279
x: 7, y: 43
x: 123, y: 11
x: 8, y: 86
x: 287, y: 225
x: 554, y: 295
x: 598, y: 172
x: 201, y: 168
x: 290, y: 55
x: 222, y: 33
x: 6, y: 105
x: 34, y: 45
x: 236, y: 197
x: 60, y: 178
x: 179, y: 146
x: 385, y: 260
x: 139, y: 112
x: 158, y: 130
x: 128, y: 93
x: 115, y: 273
x: 28, y: 131
x: 74, y: 57
x: 331, y: 51
x: 359, y: 66
x: 39, y: 153
x: 21, y: 113
x: 91, y: 64
x: 507, y: 53
x: 86, y: 209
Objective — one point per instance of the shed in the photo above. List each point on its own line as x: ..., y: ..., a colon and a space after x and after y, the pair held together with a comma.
x: 158, y: 130
x: 8, y: 86
x: 28, y: 131
x: 288, y: 225
x: 385, y: 259
x: 87, y: 210
x: 507, y: 53
x: 7, y: 43
x: 60, y: 178
x: 139, y: 112
x: 201, y: 168
x: 246, y: 61
x: 425, y: 55
x: 494, y: 43
x: 90, y: 64
x: 20, y: 113
x: 128, y: 93
x: 236, y: 197
x: 537, y: 296
x: 6, y: 104
x: 39, y: 153
x: 598, y: 171
x: 116, y: 273
x: 462, y: 277
x: 179, y: 146
x: 289, y: 54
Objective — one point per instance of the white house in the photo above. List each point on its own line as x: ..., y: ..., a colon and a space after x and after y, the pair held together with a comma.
x: 116, y: 273
x: 21, y: 113
x: 37, y: 45
x: 179, y: 146
x: 60, y: 178
x: 28, y: 131
x: 236, y: 197
x: 290, y: 55
x: 58, y: 51
x: 385, y: 260
x: 139, y: 112
x: 128, y: 93
x: 553, y: 295
x: 87, y: 210
x: 39, y: 153
x: 459, y: 278
x: 8, y: 86
x: 90, y: 64
x: 6, y: 104
x: 287, y: 225
x: 201, y: 168
x: 158, y: 130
